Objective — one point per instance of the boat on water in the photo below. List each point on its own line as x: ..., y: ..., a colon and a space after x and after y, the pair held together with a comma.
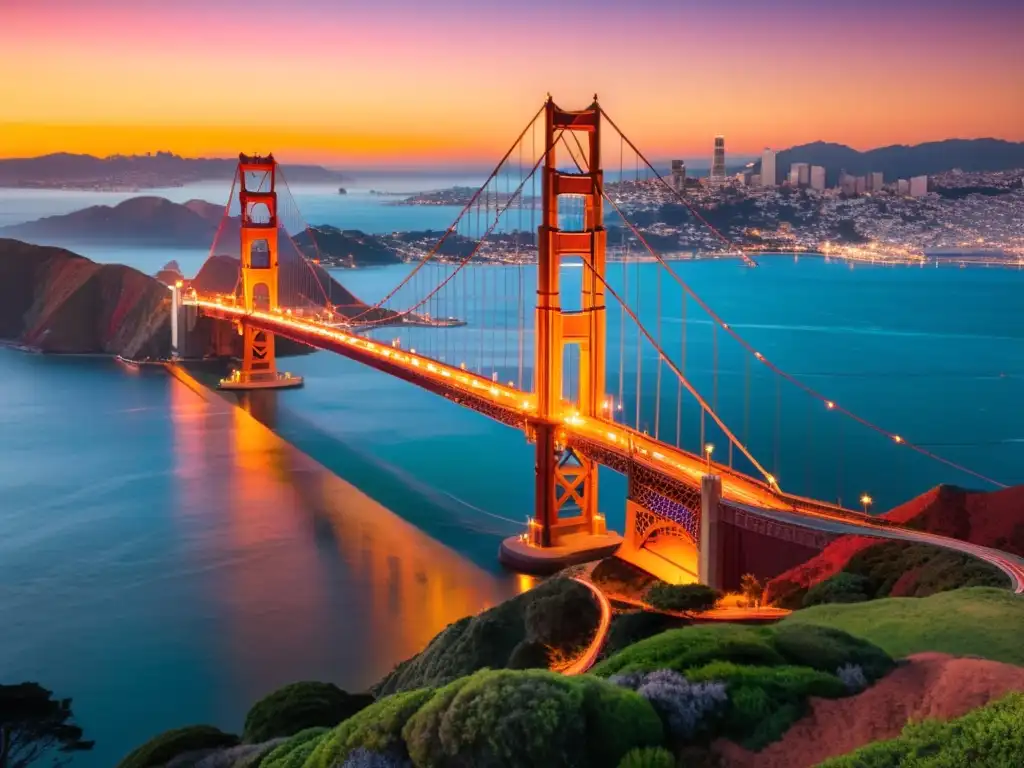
x: 342, y: 191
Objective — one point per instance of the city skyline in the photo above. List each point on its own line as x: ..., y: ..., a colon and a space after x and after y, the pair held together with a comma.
x: 398, y: 82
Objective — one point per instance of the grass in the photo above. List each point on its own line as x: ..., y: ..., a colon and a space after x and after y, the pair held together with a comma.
x: 977, y: 621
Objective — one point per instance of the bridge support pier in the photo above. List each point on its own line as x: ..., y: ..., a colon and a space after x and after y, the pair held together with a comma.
x: 566, y: 482
x: 710, y: 564
x: 259, y: 267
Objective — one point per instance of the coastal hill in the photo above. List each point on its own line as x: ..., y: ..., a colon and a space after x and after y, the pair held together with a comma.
x: 55, y: 301
x: 991, y: 519
x: 162, y: 169
x: 900, y: 161
x: 138, y: 220
x: 156, y: 221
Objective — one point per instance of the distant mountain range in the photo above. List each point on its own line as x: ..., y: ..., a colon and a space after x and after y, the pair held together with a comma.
x: 901, y: 161
x: 162, y: 169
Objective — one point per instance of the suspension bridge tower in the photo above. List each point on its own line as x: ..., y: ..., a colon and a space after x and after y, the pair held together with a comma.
x: 567, y: 527
x: 257, y: 197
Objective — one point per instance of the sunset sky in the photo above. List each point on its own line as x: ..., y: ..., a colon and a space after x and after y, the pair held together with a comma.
x: 372, y: 82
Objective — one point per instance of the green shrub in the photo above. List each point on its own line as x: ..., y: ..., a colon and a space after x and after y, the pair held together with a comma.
x: 293, y: 752
x: 564, y: 619
x: 487, y: 641
x: 529, y: 654
x: 681, y: 649
x: 988, y: 737
x: 765, y: 701
x: 502, y: 718
x: 169, y: 744
x: 648, y: 757
x: 826, y: 649
x: 842, y: 588
x: 682, y: 597
x: 378, y: 728
x: 294, y: 707
x: 629, y: 628
x: 617, y: 721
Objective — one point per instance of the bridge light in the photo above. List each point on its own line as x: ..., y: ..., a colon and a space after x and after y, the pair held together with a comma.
x: 759, y: 356
x: 829, y: 404
x: 866, y: 502
x: 772, y: 481
x: 709, y: 448
x: 462, y: 366
x: 179, y: 284
x: 897, y: 439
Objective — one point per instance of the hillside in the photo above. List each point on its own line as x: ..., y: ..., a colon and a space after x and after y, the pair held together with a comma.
x: 139, y: 220
x: 901, y: 161
x: 990, y: 518
x: 162, y: 169
x: 58, y: 301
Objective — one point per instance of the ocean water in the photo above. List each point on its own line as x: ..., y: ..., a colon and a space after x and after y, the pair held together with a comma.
x: 165, y: 559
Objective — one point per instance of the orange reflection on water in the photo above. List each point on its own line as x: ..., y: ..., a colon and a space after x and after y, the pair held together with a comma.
x: 311, y: 578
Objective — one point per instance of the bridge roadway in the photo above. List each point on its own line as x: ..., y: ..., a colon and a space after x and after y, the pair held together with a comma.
x: 609, y: 443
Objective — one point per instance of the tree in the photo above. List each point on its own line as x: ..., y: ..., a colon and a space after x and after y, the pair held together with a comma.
x: 752, y: 589
x: 682, y: 597
x: 33, y: 724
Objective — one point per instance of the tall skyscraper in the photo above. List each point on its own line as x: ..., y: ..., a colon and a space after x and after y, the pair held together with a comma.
x: 847, y: 183
x: 678, y: 179
x: 818, y: 177
x: 876, y: 181
x: 918, y: 186
x: 718, y: 162
x: 768, y: 168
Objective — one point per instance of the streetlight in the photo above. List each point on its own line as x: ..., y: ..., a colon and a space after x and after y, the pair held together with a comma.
x: 866, y: 502
x: 709, y: 448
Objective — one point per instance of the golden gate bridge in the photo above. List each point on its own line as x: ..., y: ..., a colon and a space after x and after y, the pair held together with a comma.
x: 564, y: 342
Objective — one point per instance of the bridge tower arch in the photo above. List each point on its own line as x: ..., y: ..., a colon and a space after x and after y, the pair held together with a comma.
x: 567, y: 525
x: 259, y: 268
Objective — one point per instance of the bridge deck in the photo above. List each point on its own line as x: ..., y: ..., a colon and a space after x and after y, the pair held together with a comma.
x: 611, y: 444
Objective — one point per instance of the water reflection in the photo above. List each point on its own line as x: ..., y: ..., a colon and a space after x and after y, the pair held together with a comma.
x: 314, y: 574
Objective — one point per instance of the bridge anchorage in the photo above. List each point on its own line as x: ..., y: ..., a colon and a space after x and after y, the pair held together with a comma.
x: 259, y: 275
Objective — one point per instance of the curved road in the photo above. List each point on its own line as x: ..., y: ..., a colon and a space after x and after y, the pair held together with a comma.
x: 586, y: 661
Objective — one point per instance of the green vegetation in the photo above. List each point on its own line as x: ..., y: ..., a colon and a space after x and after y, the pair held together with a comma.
x: 988, y: 737
x: 768, y: 672
x: 294, y: 707
x: 192, y: 738
x: 893, y: 569
x: 35, y: 726
x: 560, y: 615
x: 649, y: 757
x: 616, y: 576
x: 293, y: 752
x: 682, y: 597
x: 629, y: 628
x: 979, y: 621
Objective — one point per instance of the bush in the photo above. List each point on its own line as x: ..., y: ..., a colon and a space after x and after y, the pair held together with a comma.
x: 682, y: 649
x: 294, y: 751
x: 502, y: 718
x: 531, y: 717
x: 826, y: 649
x: 295, y: 707
x: 564, y: 619
x: 842, y: 588
x: 649, y: 757
x: 242, y: 756
x: 988, y: 737
x: 684, y: 708
x: 765, y: 701
x: 487, y: 641
x: 682, y: 597
x: 161, y: 749
x: 629, y: 628
x: 852, y: 676
x: 617, y: 721
x: 529, y: 654
x: 377, y: 728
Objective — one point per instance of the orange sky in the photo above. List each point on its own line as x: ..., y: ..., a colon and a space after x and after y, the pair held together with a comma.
x: 397, y: 80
